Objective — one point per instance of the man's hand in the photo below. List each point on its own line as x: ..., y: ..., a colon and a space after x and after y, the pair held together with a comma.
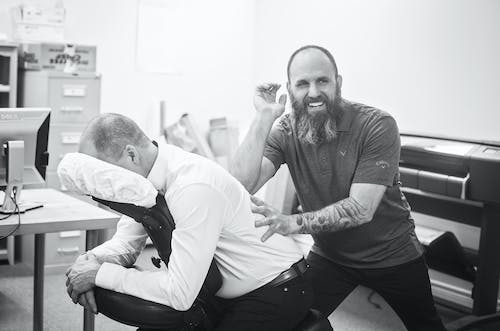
x: 81, y: 279
x: 277, y: 222
x: 87, y: 300
x: 265, y: 100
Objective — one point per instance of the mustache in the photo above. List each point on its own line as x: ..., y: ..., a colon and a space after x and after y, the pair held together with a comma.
x: 320, y: 98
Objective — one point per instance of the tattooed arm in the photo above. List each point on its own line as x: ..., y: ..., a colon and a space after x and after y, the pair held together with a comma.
x: 353, y: 211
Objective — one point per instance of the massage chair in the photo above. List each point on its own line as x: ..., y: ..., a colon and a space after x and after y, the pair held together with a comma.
x: 147, y: 315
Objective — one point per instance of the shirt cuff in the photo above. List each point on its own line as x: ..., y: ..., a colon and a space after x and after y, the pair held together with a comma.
x: 108, y: 276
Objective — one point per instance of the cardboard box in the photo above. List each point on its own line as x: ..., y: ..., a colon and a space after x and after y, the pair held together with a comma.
x: 32, y: 23
x: 58, y: 57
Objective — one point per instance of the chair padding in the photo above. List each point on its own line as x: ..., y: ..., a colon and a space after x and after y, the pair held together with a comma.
x: 314, y: 321
x: 87, y: 175
x: 159, y: 224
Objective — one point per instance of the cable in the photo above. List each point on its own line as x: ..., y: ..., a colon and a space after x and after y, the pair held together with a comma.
x: 16, y: 210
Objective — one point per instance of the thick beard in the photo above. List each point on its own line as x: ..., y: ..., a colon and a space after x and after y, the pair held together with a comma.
x: 315, y: 128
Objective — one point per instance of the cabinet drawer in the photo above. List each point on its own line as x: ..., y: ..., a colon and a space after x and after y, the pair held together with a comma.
x: 62, y: 139
x: 62, y: 249
x: 74, y: 100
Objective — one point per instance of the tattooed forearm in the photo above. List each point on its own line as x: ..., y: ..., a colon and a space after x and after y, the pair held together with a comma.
x: 347, y: 213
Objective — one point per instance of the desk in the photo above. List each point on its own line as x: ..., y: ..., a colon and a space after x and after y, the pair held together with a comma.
x: 60, y: 212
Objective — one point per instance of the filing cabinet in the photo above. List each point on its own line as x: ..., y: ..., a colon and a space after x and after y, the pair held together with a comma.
x: 74, y: 99
x: 8, y: 92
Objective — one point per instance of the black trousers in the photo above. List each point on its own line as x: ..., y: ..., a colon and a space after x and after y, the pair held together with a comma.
x: 266, y: 308
x: 405, y: 287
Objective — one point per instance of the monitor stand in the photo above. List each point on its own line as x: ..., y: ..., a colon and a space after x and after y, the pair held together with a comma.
x: 13, y: 193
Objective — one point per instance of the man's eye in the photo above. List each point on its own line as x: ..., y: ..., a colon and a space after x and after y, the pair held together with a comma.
x: 323, y: 81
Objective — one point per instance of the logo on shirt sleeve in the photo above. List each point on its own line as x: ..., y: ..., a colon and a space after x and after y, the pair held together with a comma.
x: 383, y: 164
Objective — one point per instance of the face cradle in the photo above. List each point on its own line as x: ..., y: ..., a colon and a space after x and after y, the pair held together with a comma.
x: 125, y: 161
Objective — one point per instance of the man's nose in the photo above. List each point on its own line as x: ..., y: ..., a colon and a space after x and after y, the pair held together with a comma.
x: 313, y: 91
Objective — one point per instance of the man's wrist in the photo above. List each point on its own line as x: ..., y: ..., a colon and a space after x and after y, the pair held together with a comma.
x: 265, y: 118
x: 294, y: 226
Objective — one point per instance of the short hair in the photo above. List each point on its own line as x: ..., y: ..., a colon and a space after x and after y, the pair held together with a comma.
x: 110, y: 133
x: 319, y: 48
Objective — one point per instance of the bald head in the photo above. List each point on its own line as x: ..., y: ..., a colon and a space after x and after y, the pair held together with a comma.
x: 116, y: 139
x: 314, y: 49
x: 107, y: 135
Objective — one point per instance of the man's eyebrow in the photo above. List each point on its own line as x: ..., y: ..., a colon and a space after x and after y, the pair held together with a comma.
x: 301, y: 81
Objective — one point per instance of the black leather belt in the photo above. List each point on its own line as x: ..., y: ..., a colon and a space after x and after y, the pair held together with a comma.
x: 296, y: 270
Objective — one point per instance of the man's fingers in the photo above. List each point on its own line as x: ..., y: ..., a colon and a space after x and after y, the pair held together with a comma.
x: 257, y: 201
x: 267, y: 234
x: 82, y: 300
x: 263, y: 210
x: 74, y: 297
x: 263, y: 222
x: 268, y: 88
x: 282, y: 100
x: 69, y: 289
x: 91, y: 300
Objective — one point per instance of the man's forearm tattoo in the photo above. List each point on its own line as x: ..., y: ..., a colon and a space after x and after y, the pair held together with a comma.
x: 347, y: 213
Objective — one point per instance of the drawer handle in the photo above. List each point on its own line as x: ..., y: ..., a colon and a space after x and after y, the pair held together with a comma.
x: 70, y: 234
x: 68, y: 251
x: 70, y: 109
x: 74, y: 90
x: 70, y: 138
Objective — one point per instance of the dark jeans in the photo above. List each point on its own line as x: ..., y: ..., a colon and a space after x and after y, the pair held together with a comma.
x: 405, y: 287
x: 266, y: 308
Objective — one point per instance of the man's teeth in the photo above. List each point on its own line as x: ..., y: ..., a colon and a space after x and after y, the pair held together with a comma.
x: 315, y: 104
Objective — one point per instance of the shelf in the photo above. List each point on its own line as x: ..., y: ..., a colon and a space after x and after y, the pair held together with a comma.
x: 4, y: 88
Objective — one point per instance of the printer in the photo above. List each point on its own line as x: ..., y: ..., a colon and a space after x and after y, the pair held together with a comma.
x: 454, y: 168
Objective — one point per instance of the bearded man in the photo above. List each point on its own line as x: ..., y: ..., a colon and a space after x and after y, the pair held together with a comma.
x: 343, y: 158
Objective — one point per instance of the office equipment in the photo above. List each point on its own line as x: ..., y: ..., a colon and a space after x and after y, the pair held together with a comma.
x: 61, y: 212
x: 460, y: 181
x: 223, y: 140
x: 8, y: 74
x: 74, y: 100
x: 24, y: 136
x: 57, y: 57
x: 185, y: 134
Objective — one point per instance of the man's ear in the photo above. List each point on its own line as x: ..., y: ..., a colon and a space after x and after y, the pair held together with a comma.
x: 339, y: 81
x: 131, y: 153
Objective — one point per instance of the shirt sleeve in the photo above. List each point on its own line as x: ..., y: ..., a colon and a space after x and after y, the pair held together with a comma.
x: 274, y: 149
x: 379, y: 159
x: 124, y: 247
x: 199, y: 212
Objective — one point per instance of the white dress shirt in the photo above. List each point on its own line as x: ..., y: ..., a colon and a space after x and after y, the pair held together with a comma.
x: 213, y: 218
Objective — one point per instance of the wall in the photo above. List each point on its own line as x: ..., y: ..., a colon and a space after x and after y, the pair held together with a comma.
x: 218, y: 59
x: 432, y: 64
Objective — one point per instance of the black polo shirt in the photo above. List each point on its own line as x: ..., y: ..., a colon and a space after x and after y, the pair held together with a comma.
x: 366, y: 150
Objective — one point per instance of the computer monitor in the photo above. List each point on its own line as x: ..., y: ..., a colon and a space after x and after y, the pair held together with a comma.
x: 24, y: 134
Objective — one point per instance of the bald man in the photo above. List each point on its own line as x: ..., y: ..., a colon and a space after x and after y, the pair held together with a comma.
x: 343, y: 158
x: 262, y: 283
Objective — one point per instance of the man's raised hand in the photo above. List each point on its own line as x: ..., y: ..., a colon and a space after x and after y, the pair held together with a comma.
x: 265, y: 100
